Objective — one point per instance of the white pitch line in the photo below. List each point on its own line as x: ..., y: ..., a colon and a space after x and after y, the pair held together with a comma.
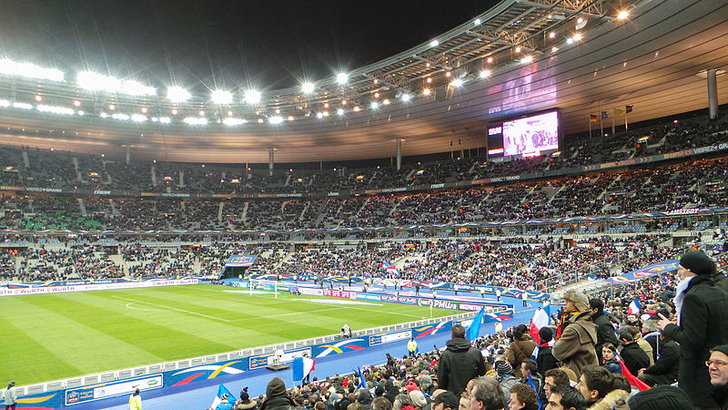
x: 288, y: 314
x: 176, y: 309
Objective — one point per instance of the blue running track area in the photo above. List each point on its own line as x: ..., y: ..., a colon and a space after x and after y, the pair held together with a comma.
x: 200, y: 395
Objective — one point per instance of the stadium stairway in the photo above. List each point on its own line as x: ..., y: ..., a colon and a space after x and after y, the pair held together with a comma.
x: 202, y: 394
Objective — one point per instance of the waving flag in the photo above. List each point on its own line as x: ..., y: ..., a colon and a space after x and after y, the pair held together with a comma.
x: 539, y: 320
x: 474, y: 328
x: 362, y: 381
x: 632, y: 379
x: 302, y: 367
x: 390, y: 268
x: 221, y: 389
x: 634, y: 307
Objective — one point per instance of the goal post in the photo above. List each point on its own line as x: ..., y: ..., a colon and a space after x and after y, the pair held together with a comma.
x: 263, y: 284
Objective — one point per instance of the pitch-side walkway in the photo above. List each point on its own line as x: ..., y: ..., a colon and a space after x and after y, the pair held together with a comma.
x: 202, y: 394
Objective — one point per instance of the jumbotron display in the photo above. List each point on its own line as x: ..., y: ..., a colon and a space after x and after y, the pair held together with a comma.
x: 532, y: 134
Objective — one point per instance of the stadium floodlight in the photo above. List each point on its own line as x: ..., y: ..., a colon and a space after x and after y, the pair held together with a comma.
x: 221, y: 97
x: 232, y: 121
x: 28, y: 70
x: 54, y: 109
x: 195, y: 121
x: 434, y: 43
x: 374, y: 105
x: 340, y: 111
x: 276, y: 119
x: 97, y: 82
x: 138, y: 117
x: 342, y: 78
x: 307, y: 87
x: 527, y: 59
x: 477, y: 22
x: 133, y: 87
x: 22, y: 106
x: 623, y: 15
x: 4, y: 103
x: 426, y: 91
x: 120, y: 116
x: 319, y: 115
x: 165, y: 120
x: 178, y: 94
x: 251, y: 96
x: 406, y: 97
x: 458, y: 82
x: 484, y: 73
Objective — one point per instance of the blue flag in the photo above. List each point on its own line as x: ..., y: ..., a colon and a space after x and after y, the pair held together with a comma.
x: 362, y: 382
x: 474, y: 328
x: 221, y: 389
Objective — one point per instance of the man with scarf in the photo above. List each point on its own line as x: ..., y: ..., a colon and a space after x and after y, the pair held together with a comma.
x: 702, y: 315
x: 576, y: 346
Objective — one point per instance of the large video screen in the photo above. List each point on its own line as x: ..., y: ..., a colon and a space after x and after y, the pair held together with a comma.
x: 531, y: 134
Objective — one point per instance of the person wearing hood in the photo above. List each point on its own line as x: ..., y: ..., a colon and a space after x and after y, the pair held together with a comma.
x: 459, y: 363
x: 277, y: 396
x: 364, y: 398
x: 576, y: 346
x: 702, y: 312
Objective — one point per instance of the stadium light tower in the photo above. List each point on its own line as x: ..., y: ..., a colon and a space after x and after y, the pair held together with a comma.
x: 342, y: 78
x: 221, y: 97
x: 307, y: 87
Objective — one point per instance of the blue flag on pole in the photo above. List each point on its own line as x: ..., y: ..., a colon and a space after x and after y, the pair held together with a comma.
x: 474, y: 328
x: 362, y: 381
x: 221, y: 389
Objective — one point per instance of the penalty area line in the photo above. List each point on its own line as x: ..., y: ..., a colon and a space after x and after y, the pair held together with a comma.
x: 174, y: 308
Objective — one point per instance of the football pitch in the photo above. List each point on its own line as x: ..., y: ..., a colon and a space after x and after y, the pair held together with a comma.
x: 50, y: 337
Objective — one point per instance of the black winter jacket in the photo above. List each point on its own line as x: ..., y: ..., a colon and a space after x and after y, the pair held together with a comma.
x: 459, y: 363
x: 668, y: 360
x: 634, y: 358
x: 703, y: 322
x: 605, y: 332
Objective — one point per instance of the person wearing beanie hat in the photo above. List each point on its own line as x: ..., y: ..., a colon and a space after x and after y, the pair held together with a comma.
x: 276, y: 396
x: 702, y: 314
x: 505, y: 378
x: 698, y: 263
x: 660, y: 398
x: 718, y: 369
x: 576, y: 346
x: 245, y: 403
x: 545, y: 359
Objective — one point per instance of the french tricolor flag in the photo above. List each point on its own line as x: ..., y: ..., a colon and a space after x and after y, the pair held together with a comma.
x: 634, y: 307
x: 390, y: 268
x: 302, y: 367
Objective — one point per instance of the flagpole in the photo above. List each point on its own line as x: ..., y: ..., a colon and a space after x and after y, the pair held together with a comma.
x: 601, y: 125
x: 590, y: 127
x: 626, y: 126
x: 613, y: 132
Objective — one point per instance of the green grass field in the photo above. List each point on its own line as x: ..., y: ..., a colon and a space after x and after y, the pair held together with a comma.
x: 50, y: 337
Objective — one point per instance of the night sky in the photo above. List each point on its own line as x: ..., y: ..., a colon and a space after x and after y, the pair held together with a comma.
x: 222, y: 43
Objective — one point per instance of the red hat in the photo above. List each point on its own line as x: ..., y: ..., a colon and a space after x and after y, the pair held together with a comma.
x: 411, y: 386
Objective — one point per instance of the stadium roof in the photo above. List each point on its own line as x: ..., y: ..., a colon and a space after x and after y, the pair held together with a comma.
x: 654, y: 60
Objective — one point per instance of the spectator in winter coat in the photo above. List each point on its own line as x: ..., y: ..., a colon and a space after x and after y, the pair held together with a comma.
x: 665, y: 369
x: 605, y: 330
x: 718, y: 368
x: 702, y: 311
x: 575, y: 348
x: 633, y: 356
x: 277, y: 396
x: 609, y: 358
x: 521, y: 346
x: 545, y: 359
x: 459, y: 363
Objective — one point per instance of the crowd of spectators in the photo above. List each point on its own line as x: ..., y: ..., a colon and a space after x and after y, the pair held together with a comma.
x: 676, y: 187
x: 56, y: 170
x: 593, y: 356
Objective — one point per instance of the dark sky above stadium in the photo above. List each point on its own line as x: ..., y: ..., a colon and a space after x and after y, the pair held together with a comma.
x: 221, y: 43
